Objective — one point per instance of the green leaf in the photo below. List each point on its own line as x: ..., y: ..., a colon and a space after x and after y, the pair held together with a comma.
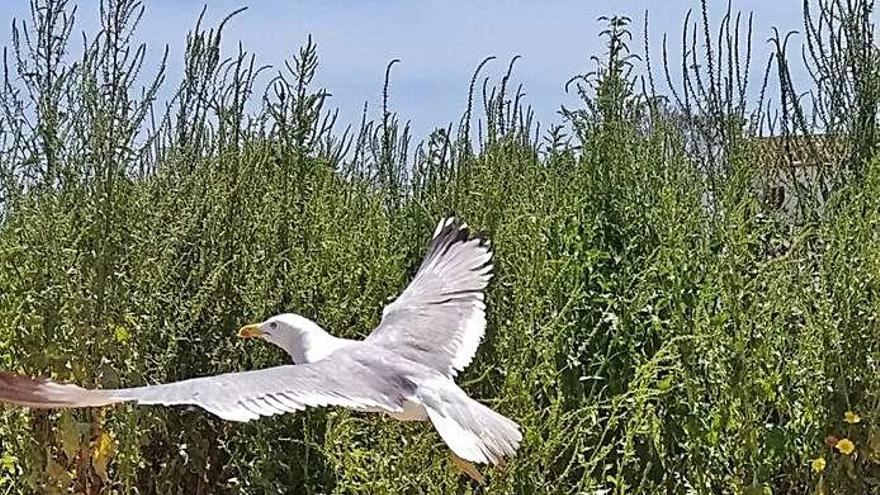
x: 122, y: 335
x: 70, y: 434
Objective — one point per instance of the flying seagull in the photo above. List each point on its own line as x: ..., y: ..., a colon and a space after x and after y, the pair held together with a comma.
x: 405, y: 368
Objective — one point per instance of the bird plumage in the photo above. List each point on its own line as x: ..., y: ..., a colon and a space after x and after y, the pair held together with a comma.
x: 404, y: 368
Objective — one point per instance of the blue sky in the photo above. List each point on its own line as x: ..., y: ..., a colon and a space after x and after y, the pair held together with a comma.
x: 439, y: 43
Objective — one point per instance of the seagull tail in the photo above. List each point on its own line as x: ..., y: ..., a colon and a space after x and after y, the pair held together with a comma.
x: 471, y: 430
x: 42, y: 393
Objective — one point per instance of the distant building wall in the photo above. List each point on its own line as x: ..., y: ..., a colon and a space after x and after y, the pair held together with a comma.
x: 792, y: 168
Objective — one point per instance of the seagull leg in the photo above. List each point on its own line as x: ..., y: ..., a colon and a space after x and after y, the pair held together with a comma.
x: 468, y: 468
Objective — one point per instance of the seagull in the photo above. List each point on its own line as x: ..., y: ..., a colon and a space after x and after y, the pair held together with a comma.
x: 405, y: 368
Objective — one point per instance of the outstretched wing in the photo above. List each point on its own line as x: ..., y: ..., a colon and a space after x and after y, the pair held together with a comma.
x: 340, y: 380
x: 440, y: 318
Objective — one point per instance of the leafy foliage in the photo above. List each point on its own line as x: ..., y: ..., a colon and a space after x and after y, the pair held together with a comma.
x: 654, y: 325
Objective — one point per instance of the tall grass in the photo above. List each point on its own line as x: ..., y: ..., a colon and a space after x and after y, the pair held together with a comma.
x: 655, y: 325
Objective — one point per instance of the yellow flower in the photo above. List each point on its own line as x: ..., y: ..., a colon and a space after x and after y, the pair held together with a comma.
x: 845, y: 446
x: 851, y: 417
x: 818, y: 464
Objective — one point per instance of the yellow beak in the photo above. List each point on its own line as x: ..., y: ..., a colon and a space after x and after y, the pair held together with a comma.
x: 251, y: 331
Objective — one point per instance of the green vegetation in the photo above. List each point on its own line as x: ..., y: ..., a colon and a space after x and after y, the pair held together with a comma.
x: 654, y: 325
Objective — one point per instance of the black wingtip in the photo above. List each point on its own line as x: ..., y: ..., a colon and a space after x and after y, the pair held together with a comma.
x: 451, y: 230
x: 483, y: 236
x: 23, y: 390
x: 463, y: 233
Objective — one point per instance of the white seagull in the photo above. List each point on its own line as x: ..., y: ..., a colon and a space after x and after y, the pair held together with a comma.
x: 405, y: 368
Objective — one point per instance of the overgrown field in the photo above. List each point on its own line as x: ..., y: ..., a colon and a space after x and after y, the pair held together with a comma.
x: 656, y: 325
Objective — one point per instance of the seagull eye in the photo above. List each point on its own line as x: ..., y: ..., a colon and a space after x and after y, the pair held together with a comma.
x: 273, y: 325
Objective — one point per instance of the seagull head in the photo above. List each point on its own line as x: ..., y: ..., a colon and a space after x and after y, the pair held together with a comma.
x: 297, y: 335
